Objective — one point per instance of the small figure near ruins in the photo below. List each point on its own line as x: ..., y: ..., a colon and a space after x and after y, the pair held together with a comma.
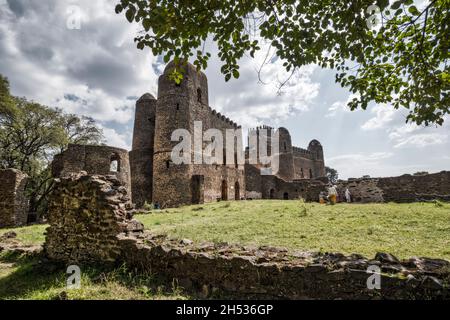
x: 348, y: 195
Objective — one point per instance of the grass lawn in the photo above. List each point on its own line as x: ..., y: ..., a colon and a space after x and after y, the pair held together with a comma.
x: 25, y: 278
x: 405, y: 230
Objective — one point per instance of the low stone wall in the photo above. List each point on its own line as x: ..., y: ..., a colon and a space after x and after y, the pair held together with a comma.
x: 406, y: 188
x: 266, y: 272
x: 86, y: 214
x: 13, y: 202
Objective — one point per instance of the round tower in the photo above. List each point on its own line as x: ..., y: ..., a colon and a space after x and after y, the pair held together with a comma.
x: 286, y: 158
x: 319, y: 163
x: 144, y: 122
x: 141, y: 155
x: 175, y: 108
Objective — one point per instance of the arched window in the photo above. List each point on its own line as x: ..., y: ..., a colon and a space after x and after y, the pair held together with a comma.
x: 167, y: 164
x: 199, y: 95
x: 310, y: 174
x: 178, y: 106
x: 285, y: 146
x: 114, y: 165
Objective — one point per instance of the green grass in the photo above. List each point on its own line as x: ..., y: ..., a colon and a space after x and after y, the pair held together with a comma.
x: 32, y: 235
x: 405, y: 230
x: 26, y: 278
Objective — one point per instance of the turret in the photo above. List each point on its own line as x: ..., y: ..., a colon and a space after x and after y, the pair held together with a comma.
x: 176, y: 109
x: 141, y: 156
x: 286, y: 157
x: 319, y: 163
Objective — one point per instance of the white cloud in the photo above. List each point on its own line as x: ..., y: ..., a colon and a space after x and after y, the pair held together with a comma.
x: 250, y: 102
x: 414, y: 136
x: 359, y: 164
x: 422, y: 140
x: 340, y: 106
x: 115, y: 139
x: 384, y: 114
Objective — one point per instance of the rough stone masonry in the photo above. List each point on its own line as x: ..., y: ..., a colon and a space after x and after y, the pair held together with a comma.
x: 86, y: 214
x: 13, y: 202
x: 90, y: 223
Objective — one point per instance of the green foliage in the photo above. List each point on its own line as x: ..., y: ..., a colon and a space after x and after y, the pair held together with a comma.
x: 332, y: 174
x: 31, y: 134
x: 403, y: 63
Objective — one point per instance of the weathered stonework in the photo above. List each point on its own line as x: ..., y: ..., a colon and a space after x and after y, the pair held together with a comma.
x: 89, y: 223
x: 274, y: 273
x: 13, y: 202
x: 406, y: 188
x: 102, y: 160
x: 86, y: 214
x: 154, y: 178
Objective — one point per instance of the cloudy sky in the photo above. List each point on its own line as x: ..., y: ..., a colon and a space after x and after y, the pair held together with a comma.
x: 96, y: 70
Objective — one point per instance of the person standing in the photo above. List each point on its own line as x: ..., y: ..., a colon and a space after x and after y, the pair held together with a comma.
x: 332, y: 194
x: 348, y: 195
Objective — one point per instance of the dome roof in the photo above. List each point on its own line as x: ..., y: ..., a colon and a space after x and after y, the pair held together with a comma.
x: 146, y: 97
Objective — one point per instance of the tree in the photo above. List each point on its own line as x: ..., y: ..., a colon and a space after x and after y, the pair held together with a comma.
x: 404, y: 62
x: 31, y: 134
x: 332, y: 174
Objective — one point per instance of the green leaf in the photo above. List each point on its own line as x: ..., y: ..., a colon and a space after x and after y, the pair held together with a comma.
x: 130, y: 15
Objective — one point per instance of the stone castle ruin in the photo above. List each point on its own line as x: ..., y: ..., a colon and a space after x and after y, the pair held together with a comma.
x: 152, y: 177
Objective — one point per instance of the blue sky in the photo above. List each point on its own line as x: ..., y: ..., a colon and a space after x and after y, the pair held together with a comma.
x: 98, y: 71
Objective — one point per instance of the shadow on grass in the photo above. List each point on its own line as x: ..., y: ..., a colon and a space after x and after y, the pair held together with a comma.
x: 27, y: 274
x: 34, y: 277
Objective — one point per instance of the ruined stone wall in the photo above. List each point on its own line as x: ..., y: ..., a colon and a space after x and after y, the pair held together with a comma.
x: 406, y: 188
x: 267, y: 272
x: 86, y: 214
x: 13, y: 202
x: 93, y: 160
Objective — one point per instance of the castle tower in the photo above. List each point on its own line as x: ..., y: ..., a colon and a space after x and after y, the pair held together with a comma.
x: 141, y: 156
x: 319, y: 163
x: 286, y: 158
x: 176, y: 109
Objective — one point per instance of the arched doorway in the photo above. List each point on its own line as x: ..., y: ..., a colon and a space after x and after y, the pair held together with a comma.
x: 224, y: 190
x: 286, y: 196
x: 237, y: 191
x: 272, y: 194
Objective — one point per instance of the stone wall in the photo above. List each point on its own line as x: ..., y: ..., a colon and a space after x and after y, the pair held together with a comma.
x: 266, y: 272
x: 406, y: 188
x: 93, y: 160
x: 89, y: 224
x: 13, y: 202
x: 86, y: 214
